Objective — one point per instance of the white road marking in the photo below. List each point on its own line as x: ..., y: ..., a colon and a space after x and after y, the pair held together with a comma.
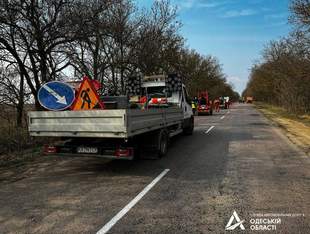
x: 206, y: 124
x: 228, y: 112
x: 131, y: 204
x: 223, y: 117
x: 209, y: 129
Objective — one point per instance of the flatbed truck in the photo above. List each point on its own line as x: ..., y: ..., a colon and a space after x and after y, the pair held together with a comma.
x: 120, y: 133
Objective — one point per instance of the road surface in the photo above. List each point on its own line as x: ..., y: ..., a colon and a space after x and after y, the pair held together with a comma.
x: 235, y: 161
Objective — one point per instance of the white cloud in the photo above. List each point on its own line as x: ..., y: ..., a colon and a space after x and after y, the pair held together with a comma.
x: 276, y: 16
x: 212, y: 4
x: 188, y: 4
x: 234, y: 79
x: 238, y: 83
x: 209, y: 5
x: 239, y: 13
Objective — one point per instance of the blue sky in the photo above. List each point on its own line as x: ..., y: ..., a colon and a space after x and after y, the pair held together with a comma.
x: 235, y: 31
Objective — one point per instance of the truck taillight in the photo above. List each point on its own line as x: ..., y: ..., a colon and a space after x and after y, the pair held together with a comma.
x: 50, y: 149
x: 124, y: 152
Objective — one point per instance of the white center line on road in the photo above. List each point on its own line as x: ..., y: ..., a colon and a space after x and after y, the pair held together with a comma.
x: 131, y: 204
x: 206, y: 124
x: 209, y: 129
x: 223, y: 117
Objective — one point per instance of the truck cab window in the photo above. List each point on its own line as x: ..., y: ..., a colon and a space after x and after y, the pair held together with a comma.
x: 159, y: 91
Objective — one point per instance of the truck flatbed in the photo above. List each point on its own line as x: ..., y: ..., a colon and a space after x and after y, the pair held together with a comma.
x: 119, y: 123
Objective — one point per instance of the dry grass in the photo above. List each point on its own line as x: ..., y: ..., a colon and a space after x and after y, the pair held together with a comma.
x: 297, y: 127
x: 16, y: 145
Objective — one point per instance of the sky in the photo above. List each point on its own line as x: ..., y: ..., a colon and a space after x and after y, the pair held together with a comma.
x: 234, y: 31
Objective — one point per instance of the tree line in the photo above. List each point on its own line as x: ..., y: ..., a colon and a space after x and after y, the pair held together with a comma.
x: 282, y: 77
x: 111, y: 40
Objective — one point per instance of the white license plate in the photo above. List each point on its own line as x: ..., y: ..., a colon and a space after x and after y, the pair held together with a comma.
x: 87, y: 150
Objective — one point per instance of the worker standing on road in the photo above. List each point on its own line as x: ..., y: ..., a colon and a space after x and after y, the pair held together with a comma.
x: 229, y: 103
x: 217, y: 105
x: 194, y: 107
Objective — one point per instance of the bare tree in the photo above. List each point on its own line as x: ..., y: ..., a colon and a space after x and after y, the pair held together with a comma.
x: 122, y: 40
x: 33, y: 32
x: 301, y: 14
x: 282, y: 76
x: 13, y: 93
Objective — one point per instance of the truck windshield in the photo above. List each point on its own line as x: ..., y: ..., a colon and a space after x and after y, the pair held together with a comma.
x: 203, y: 101
x: 156, y: 91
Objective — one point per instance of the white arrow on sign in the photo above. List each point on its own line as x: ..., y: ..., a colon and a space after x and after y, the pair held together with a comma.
x: 60, y: 99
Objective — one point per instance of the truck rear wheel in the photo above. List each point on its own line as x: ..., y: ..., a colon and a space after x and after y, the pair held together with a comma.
x: 162, y: 146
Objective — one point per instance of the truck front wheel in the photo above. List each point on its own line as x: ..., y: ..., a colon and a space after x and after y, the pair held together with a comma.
x: 189, y: 126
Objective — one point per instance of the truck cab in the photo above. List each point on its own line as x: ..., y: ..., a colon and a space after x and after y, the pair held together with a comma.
x: 156, y: 87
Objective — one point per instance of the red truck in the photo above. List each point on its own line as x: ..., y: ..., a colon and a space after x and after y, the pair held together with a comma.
x: 204, y: 104
x: 249, y: 99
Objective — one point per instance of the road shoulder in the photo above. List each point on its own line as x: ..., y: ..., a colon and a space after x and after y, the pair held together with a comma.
x: 296, y: 128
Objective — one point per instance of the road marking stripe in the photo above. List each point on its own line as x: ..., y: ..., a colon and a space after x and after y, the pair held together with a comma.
x: 131, y: 204
x: 223, y: 117
x: 209, y: 129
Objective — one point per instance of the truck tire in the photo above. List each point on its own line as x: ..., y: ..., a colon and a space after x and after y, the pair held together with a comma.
x: 189, y: 127
x: 162, y: 143
x: 137, y: 153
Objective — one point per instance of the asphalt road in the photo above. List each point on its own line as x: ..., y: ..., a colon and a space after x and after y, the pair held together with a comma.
x: 243, y: 163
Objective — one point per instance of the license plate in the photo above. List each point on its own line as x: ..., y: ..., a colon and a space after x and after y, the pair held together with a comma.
x: 87, y: 150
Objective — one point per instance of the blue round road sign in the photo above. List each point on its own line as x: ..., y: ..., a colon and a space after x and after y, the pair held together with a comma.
x: 56, y: 95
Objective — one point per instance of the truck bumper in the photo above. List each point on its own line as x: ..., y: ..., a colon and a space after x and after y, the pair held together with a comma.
x: 204, y: 111
x: 98, y: 152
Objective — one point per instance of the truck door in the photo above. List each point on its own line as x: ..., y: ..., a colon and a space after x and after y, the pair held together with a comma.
x: 186, y: 104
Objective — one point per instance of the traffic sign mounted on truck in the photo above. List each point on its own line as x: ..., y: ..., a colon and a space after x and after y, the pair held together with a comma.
x: 56, y: 96
x: 87, y: 97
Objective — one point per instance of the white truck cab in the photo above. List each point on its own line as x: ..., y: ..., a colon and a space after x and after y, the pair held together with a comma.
x: 157, y: 86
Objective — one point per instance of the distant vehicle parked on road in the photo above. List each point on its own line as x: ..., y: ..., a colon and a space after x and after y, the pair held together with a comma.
x: 204, y: 104
x: 249, y: 99
x: 226, y: 102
